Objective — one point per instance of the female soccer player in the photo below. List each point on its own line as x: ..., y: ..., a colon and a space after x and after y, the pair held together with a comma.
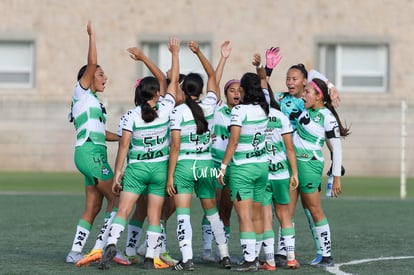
x: 191, y: 167
x: 316, y: 124
x: 248, y: 171
x: 89, y: 118
x: 144, y: 143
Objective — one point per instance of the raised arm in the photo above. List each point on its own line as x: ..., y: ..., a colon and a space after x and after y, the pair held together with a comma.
x: 272, y: 59
x: 225, y: 54
x: 257, y: 61
x: 138, y: 55
x: 174, y: 48
x: 211, y: 82
x: 87, y: 78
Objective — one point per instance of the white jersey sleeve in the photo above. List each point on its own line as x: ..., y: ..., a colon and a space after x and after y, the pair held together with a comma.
x: 315, y: 74
x: 333, y: 134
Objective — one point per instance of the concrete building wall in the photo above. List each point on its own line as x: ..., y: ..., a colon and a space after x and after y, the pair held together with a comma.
x: 35, y: 134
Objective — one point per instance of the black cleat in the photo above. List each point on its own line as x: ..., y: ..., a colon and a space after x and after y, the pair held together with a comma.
x: 225, y: 263
x: 109, y: 254
x: 280, y: 261
x: 181, y: 266
x: 326, y: 262
x: 247, y: 267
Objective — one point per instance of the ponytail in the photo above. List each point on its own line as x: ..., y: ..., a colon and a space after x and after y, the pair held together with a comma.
x: 145, y: 91
x: 193, y: 86
x: 148, y: 113
x: 253, y: 93
x: 198, y: 114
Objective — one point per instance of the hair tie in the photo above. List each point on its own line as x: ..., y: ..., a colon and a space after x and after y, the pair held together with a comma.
x: 316, y: 87
x: 138, y: 82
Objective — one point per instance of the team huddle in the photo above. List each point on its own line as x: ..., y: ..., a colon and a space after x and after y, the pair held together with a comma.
x: 255, y: 151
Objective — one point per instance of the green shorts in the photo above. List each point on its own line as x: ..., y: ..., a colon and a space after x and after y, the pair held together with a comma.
x: 248, y: 181
x: 144, y: 178
x: 277, y: 191
x: 92, y: 161
x: 196, y: 175
x: 310, y: 175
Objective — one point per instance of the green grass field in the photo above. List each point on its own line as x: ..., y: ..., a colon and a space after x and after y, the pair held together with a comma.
x: 372, y: 229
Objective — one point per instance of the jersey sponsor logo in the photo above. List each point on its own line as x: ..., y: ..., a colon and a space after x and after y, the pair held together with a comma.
x: 294, y: 114
x: 181, y: 232
x: 274, y: 167
x: 256, y: 154
x: 305, y: 120
x: 80, y: 238
x: 150, y: 155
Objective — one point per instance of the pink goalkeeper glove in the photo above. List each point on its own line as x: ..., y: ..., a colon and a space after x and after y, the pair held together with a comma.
x: 272, y: 59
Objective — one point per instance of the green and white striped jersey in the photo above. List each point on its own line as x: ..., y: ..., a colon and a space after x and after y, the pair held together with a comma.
x: 89, y: 116
x: 150, y: 140
x: 277, y: 126
x: 253, y: 122
x: 192, y: 145
x: 221, y: 134
x: 311, y: 131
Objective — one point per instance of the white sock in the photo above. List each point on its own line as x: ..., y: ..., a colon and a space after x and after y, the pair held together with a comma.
x: 281, y: 249
x: 153, y: 245
x: 217, y: 228
x: 324, y: 237
x: 103, y: 233
x: 185, y: 236
x: 134, y: 235
x: 163, y: 238
x: 269, y: 248
x: 313, y: 230
x: 248, y: 246
x: 290, y: 247
x: 207, y: 236
x: 288, y: 236
x: 81, y: 236
x: 258, y: 247
x: 115, y: 233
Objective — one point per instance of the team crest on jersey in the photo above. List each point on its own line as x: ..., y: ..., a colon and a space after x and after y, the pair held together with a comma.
x: 105, y: 170
x: 317, y: 118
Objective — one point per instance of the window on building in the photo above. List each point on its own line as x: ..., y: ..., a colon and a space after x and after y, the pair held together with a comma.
x: 16, y: 63
x: 158, y: 52
x: 356, y: 67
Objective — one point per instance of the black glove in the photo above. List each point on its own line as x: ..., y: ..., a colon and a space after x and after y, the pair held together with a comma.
x: 342, y: 170
x: 330, y: 169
